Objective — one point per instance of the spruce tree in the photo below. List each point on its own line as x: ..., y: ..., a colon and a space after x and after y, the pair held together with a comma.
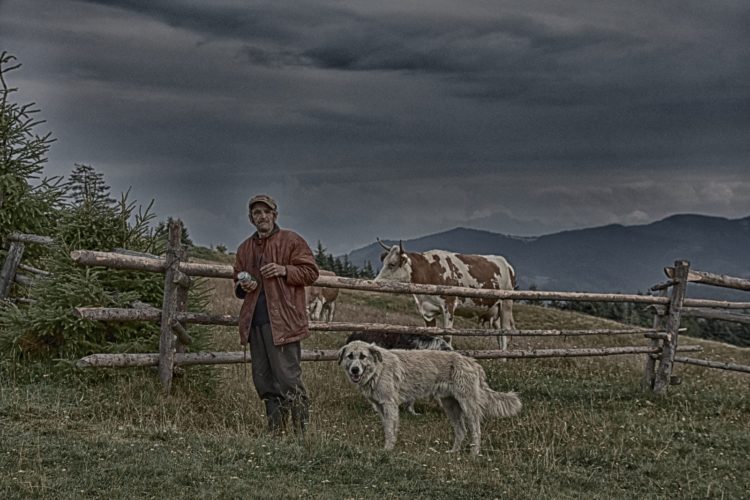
x: 28, y: 201
x: 321, y: 258
x: 162, y: 234
x: 79, y: 214
x: 367, y: 271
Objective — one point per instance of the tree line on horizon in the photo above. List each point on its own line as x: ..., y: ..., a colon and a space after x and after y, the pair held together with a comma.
x: 640, y: 315
x: 341, y: 266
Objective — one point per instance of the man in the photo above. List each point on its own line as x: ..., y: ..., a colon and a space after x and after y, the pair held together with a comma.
x: 273, y: 316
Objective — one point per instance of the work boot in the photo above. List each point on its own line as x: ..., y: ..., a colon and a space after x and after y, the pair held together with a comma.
x: 276, y: 416
x: 300, y: 415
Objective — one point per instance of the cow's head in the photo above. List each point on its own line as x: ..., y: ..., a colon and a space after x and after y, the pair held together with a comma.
x: 396, y: 265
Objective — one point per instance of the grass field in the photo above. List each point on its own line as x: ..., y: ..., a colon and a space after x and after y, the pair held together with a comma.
x: 586, y: 429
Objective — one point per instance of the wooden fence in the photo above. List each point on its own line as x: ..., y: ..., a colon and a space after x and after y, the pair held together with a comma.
x: 9, y: 272
x: 661, y: 352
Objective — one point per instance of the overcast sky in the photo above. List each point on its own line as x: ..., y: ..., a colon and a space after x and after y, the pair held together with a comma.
x: 400, y: 118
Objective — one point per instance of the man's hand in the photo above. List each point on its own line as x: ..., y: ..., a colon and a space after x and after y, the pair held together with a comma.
x: 248, y: 285
x: 272, y: 270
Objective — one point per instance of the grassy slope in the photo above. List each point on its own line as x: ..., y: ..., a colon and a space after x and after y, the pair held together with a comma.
x: 586, y: 429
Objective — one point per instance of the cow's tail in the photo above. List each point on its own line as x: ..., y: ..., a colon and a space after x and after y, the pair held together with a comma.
x: 499, y: 404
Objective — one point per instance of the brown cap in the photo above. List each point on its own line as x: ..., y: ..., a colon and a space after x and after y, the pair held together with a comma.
x: 262, y: 198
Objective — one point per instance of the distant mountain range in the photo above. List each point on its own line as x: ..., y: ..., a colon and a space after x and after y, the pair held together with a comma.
x: 613, y: 258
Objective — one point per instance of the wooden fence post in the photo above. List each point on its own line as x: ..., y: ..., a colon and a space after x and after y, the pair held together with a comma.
x: 649, y: 372
x: 175, y: 300
x: 669, y: 346
x: 10, y: 267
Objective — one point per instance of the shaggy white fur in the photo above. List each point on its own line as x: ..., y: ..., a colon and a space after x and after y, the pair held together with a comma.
x: 388, y: 378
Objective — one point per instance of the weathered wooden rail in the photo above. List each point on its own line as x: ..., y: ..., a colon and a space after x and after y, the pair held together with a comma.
x: 118, y: 261
x: 216, y: 358
x: 153, y: 314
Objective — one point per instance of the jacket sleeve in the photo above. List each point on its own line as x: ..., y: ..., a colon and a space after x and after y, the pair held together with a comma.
x: 239, y: 265
x: 302, y: 270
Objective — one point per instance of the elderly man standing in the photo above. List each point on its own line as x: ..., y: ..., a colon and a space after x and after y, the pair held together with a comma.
x: 271, y: 270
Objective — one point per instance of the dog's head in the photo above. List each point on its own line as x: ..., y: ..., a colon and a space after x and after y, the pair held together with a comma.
x: 358, y: 359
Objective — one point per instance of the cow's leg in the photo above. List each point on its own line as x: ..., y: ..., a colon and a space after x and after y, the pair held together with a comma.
x: 506, y: 313
x: 506, y: 320
x: 325, y: 311
x: 502, y: 340
x: 331, y: 310
x: 503, y: 321
x: 448, y: 323
x: 317, y: 308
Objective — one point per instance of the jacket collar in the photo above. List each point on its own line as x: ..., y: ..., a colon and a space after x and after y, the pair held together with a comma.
x: 256, y: 235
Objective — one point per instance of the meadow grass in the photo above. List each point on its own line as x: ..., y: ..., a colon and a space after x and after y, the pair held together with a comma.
x: 586, y: 429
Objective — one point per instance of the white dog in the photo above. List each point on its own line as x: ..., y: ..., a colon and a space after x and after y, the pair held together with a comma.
x: 390, y: 378
x: 402, y: 341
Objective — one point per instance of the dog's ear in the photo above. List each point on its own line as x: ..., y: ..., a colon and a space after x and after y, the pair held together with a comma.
x: 375, y: 353
x: 341, y: 353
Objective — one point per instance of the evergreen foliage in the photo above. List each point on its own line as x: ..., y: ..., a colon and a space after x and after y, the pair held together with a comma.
x: 48, y: 326
x: 321, y: 257
x: 624, y: 312
x: 341, y: 267
x: 162, y: 234
x: 78, y: 214
x: 724, y: 331
x: 641, y: 315
x: 87, y: 187
x: 28, y: 202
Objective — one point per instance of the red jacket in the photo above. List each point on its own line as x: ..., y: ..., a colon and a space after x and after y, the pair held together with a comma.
x: 285, y: 295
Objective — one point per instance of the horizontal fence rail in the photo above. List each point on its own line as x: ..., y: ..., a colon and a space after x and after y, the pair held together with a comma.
x: 215, y: 358
x: 713, y: 364
x: 120, y: 261
x: 705, y: 278
x: 473, y: 332
x: 31, y: 238
x: 154, y: 315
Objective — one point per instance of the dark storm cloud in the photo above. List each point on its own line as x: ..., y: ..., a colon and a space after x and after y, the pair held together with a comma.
x: 398, y: 119
x: 343, y: 39
x: 638, y: 83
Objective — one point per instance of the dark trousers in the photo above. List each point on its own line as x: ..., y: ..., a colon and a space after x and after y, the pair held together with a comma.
x: 277, y: 374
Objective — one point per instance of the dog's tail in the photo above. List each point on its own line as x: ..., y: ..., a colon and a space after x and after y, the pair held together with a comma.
x: 500, y: 404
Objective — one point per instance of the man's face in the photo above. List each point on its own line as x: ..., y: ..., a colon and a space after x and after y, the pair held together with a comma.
x: 263, y: 218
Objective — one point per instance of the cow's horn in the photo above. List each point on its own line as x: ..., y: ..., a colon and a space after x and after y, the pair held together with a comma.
x: 383, y: 244
x: 400, y: 246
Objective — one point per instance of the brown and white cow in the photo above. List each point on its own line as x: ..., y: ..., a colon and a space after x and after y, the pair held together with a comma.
x: 439, y: 267
x: 321, y: 301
